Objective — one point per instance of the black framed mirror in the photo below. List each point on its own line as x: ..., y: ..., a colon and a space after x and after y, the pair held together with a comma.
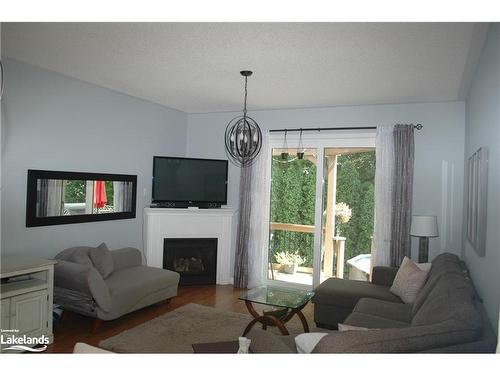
x: 56, y: 197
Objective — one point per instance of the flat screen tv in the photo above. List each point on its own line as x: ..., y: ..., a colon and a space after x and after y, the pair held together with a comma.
x: 187, y: 182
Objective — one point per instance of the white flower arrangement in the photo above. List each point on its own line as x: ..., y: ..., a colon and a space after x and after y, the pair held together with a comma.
x: 343, y: 212
x: 289, y: 258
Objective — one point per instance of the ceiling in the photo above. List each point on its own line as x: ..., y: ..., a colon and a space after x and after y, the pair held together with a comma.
x: 194, y: 67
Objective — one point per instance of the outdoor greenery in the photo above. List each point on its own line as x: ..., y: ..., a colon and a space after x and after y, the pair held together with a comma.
x: 293, y: 200
x: 74, y: 191
x: 355, y: 187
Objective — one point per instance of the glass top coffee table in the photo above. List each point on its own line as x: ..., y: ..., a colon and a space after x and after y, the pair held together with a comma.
x: 288, y: 302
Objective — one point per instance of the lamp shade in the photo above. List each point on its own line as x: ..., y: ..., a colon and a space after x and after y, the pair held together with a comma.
x: 424, y: 226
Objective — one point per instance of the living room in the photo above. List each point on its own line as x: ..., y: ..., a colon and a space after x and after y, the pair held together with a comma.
x: 327, y: 177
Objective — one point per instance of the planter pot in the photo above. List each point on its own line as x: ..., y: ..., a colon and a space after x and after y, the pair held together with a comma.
x: 290, y: 268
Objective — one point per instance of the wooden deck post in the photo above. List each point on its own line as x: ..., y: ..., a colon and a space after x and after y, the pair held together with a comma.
x: 340, y: 252
x: 330, y: 215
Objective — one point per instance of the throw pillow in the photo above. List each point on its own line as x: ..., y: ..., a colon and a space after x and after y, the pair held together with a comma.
x: 305, y: 342
x: 408, y: 281
x: 347, y: 327
x: 424, y: 266
x: 81, y: 258
x: 102, y: 260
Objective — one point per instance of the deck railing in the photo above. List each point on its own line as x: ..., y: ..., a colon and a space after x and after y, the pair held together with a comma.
x: 334, y: 248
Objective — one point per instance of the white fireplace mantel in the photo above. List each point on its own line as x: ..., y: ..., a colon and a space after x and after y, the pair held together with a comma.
x: 161, y: 223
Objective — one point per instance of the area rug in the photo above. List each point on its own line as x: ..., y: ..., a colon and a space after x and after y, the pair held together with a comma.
x: 176, y: 331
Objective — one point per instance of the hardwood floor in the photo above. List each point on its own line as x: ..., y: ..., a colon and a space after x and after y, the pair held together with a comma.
x: 77, y: 328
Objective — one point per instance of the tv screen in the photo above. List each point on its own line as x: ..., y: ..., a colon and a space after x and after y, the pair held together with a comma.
x: 190, y: 181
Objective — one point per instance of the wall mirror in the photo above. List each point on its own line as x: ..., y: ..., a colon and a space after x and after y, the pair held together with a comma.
x: 55, y: 197
x: 476, y: 200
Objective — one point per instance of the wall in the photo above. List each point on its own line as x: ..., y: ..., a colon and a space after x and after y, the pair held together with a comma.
x: 58, y: 123
x: 1, y: 151
x: 483, y: 129
x: 439, y: 152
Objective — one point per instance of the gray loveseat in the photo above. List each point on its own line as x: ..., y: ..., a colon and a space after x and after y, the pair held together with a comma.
x: 107, y: 284
x: 447, y: 316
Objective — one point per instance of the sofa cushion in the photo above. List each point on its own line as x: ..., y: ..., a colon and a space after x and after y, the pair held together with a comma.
x: 396, y: 340
x: 128, y: 285
x: 443, y: 266
x: 102, y: 260
x: 408, y: 281
x: 347, y: 293
x: 385, y: 309
x: 451, y: 299
x: 373, y: 321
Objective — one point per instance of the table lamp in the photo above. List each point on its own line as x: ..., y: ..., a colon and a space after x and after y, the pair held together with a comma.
x: 424, y: 227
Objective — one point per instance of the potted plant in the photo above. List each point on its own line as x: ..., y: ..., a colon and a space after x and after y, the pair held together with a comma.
x: 289, y: 260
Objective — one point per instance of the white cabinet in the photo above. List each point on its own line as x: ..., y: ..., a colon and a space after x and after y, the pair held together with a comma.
x: 5, y: 313
x: 26, y: 296
x: 28, y: 312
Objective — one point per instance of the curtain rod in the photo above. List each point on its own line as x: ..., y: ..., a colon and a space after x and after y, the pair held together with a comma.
x: 417, y: 126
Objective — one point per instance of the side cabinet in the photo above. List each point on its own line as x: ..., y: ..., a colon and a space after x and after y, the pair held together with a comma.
x: 28, y: 312
x: 5, y: 314
x: 26, y: 299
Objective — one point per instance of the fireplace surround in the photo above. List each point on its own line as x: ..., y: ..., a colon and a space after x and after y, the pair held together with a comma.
x: 171, y: 223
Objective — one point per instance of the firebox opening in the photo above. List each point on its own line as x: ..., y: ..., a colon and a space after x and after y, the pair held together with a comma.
x: 195, y: 259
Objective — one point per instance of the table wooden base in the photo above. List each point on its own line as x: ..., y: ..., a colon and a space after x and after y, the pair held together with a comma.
x: 275, y: 321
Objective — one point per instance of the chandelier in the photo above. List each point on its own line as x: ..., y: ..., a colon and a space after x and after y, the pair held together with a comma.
x: 243, y: 136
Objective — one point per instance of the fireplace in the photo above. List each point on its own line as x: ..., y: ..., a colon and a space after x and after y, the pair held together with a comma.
x: 195, y: 259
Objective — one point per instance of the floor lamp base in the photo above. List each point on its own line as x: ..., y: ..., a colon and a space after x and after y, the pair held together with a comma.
x: 423, y: 250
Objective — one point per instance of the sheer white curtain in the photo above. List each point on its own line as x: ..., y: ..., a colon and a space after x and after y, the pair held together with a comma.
x: 259, y: 218
x: 383, y: 195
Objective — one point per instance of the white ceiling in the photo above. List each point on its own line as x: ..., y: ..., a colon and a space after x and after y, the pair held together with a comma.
x: 194, y: 67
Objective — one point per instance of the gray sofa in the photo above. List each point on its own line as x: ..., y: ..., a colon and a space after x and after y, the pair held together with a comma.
x: 447, y: 316
x: 107, y: 284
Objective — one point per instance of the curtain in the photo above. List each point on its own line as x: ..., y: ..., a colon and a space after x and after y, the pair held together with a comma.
x: 243, y: 234
x: 402, y: 194
x: 122, y: 196
x: 259, y: 219
x: 253, y: 224
x: 384, y: 153
x: 50, y: 199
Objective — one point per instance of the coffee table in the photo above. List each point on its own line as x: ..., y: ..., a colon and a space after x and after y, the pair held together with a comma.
x: 288, y: 302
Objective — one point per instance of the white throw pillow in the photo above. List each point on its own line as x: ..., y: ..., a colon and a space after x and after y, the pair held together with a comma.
x: 346, y: 327
x: 424, y: 266
x: 306, y: 342
x: 408, y: 281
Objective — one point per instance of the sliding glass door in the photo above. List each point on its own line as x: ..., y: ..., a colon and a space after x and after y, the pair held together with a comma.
x: 314, y: 223
x: 292, y: 216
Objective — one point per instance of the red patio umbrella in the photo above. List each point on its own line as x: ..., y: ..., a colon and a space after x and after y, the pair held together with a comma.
x: 100, y: 198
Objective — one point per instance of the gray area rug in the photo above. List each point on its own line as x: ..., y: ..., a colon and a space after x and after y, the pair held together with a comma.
x: 176, y: 331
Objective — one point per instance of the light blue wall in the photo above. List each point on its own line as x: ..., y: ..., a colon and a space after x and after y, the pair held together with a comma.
x: 483, y: 129
x: 439, y: 152
x: 54, y: 122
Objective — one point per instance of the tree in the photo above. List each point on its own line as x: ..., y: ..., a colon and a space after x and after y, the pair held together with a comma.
x: 293, y: 199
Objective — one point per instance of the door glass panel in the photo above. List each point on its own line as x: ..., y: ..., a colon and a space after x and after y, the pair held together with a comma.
x: 348, y: 212
x: 293, y: 199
